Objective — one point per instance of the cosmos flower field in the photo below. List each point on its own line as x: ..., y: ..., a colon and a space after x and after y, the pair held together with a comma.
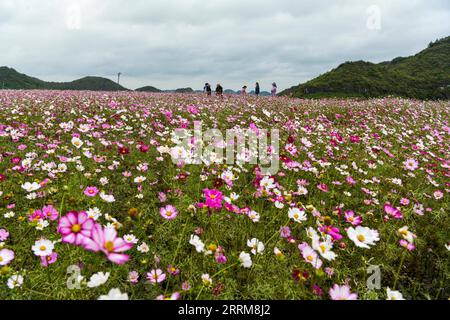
x: 92, y: 205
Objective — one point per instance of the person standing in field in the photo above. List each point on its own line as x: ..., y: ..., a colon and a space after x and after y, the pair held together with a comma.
x: 257, y: 90
x: 219, y: 90
x: 274, y: 89
x: 207, y: 89
x: 244, y: 90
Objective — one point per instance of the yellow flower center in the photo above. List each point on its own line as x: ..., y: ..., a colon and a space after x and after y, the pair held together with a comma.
x: 76, y: 228
x: 42, y: 248
x: 310, y: 258
x: 323, y: 248
x: 109, y: 246
x: 296, y: 216
x: 168, y: 213
x: 361, y: 238
x: 1, y: 259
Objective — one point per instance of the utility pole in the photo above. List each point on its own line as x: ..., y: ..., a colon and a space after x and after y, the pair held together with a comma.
x: 118, y: 78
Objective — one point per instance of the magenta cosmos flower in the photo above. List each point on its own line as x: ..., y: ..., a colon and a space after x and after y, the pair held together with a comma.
x: 91, y: 191
x: 75, y: 227
x: 352, y: 218
x: 213, y: 198
x: 168, y: 212
x: 342, y: 293
x: 106, y: 240
x: 392, y: 211
x: 50, y: 212
x: 50, y: 259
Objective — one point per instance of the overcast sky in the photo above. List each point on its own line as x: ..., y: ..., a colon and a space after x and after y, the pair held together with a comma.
x: 181, y: 43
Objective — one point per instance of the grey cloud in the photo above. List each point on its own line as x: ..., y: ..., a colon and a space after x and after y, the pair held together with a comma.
x: 176, y: 43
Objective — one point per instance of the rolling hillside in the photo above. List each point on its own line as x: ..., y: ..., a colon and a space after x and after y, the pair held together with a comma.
x: 11, y: 79
x: 425, y: 75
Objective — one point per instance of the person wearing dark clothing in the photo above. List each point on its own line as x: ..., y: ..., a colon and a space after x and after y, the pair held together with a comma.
x: 207, y: 89
x: 257, y: 90
x: 219, y: 90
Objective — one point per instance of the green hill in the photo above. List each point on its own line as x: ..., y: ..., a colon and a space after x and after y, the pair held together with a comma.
x: 148, y: 89
x: 11, y: 79
x: 425, y: 75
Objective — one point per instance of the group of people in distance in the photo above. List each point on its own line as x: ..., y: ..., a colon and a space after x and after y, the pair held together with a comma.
x: 219, y: 89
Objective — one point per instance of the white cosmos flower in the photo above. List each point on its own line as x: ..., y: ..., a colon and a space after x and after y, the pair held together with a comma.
x: 206, y: 278
x: 94, y: 213
x: 107, y: 197
x: 234, y: 196
x: 363, y: 237
x: 15, y: 281
x: 98, y: 279
x: 43, y: 247
x: 140, y: 179
x: 130, y: 238
x: 245, y: 259
x: 30, y: 187
x: 256, y: 245
x: 197, y: 243
x: 143, y: 248
x: 254, y: 216
x: 324, y: 247
x: 447, y: 246
x: 76, y: 142
x: 394, y: 295
x: 302, y: 191
x: 114, y: 294
x: 267, y: 183
x: 297, y: 215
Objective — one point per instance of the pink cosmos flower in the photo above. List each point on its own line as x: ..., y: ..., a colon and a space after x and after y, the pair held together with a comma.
x: 310, y: 255
x: 168, y: 212
x: 75, y: 227
x: 133, y: 277
x: 91, y: 191
x: 350, y: 180
x: 3, y: 234
x: 408, y: 245
x: 156, y: 276
x: 106, y: 240
x: 393, y: 211
x: 411, y: 164
x: 438, y: 194
x: 173, y: 270
x: 352, y: 218
x: 50, y: 212
x: 323, y: 187
x: 185, y: 286
x: 404, y: 201
x: 6, y: 256
x: 47, y: 260
x: 285, y: 232
x: 342, y: 293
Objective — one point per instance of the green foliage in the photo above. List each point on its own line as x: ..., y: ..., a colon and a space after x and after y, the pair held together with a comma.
x: 423, y: 76
x: 148, y: 89
x: 11, y: 79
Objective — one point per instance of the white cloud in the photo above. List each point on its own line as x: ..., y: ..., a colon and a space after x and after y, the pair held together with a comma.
x: 178, y: 43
